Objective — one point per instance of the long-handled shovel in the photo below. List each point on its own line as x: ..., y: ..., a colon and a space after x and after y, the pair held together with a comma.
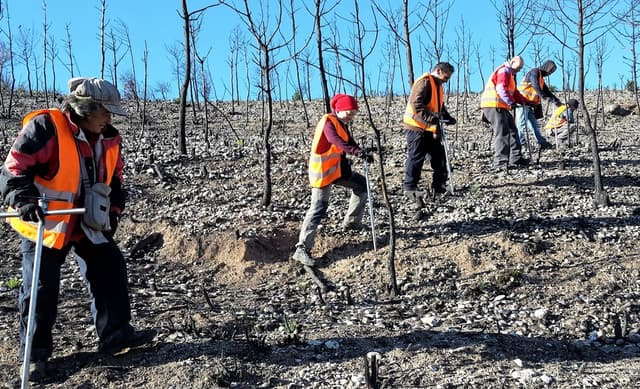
x: 43, y: 203
x: 370, y: 197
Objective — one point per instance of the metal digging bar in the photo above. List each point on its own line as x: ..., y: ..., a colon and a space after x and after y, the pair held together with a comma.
x: 43, y: 203
x: 370, y: 197
x: 446, y: 155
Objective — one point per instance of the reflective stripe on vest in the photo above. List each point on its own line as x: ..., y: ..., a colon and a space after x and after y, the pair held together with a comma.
x: 557, y: 120
x: 63, y: 186
x: 489, y: 97
x: 526, y: 89
x: 324, y: 166
x: 411, y: 118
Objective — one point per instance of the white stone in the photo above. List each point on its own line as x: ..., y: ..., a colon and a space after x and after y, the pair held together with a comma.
x: 540, y: 313
x: 430, y: 320
x: 524, y: 375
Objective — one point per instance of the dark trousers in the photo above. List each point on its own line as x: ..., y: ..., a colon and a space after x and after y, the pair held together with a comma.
x: 506, y: 142
x: 104, y: 270
x: 419, y: 144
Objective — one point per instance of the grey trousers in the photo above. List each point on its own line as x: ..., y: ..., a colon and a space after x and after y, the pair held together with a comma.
x: 506, y: 144
x: 320, y: 202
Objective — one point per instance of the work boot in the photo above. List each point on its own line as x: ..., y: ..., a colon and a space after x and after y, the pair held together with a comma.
x: 352, y: 226
x: 416, y: 197
x: 520, y: 163
x: 546, y: 146
x: 301, y: 255
x: 121, y: 343
x: 37, y: 370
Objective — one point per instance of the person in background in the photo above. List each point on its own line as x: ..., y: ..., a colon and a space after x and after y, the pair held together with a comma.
x: 425, y: 108
x: 534, y: 89
x: 329, y: 166
x: 559, y: 124
x: 499, y: 96
x: 68, y: 154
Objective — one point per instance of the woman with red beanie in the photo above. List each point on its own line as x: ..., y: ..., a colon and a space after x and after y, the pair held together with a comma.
x: 328, y: 166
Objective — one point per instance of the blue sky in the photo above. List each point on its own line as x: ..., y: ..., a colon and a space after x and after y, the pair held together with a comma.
x: 158, y: 23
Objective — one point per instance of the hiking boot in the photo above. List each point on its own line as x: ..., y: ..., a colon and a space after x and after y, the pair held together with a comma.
x: 301, y: 255
x: 37, y: 370
x: 520, y: 162
x: 416, y: 197
x: 121, y: 344
x: 352, y: 226
x: 546, y: 146
x: 501, y: 167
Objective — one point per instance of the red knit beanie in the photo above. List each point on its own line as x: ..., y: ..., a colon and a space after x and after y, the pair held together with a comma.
x: 342, y: 102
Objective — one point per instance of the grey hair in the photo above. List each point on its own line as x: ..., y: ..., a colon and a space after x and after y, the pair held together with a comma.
x: 81, y: 108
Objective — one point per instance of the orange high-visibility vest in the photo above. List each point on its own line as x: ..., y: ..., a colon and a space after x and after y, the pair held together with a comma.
x: 434, y: 105
x: 324, y: 165
x: 557, y: 120
x: 526, y: 89
x: 489, y: 97
x: 64, y: 186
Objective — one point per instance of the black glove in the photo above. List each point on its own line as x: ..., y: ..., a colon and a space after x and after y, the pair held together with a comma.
x: 30, y: 212
x: 362, y: 154
x: 114, y: 219
x: 448, y: 119
x: 434, y: 117
x: 514, y: 106
x: 558, y: 103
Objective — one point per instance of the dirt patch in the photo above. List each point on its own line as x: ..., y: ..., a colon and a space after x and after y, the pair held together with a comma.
x: 236, y: 256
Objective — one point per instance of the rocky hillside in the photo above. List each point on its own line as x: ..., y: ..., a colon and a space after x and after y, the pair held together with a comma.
x: 514, y: 280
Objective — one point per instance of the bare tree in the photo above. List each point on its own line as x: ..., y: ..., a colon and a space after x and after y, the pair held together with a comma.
x: 145, y: 61
x: 357, y: 55
x: 236, y: 42
x: 103, y: 26
x: 438, y: 11
x: 265, y: 36
x: 463, y: 47
x: 600, y: 55
x: 25, y: 53
x: 478, y: 51
x: 114, y: 44
x: 515, y: 19
x: 163, y: 88
x: 176, y: 55
x: 319, y: 13
x: 201, y: 59
x: 584, y: 22
x: 403, y: 36
x: 45, y: 29
x: 53, y: 55
x: 123, y: 31
x: 628, y: 34
x: 186, y: 18
x: 68, y: 48
x: 294, y: 52
x: 12, y: 84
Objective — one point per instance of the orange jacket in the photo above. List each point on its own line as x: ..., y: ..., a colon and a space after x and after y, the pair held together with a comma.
x: 490, y: 97
x: 411, y: 117
x: 64, y: 185
x: 324, y: 162
x: 527, y: 90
